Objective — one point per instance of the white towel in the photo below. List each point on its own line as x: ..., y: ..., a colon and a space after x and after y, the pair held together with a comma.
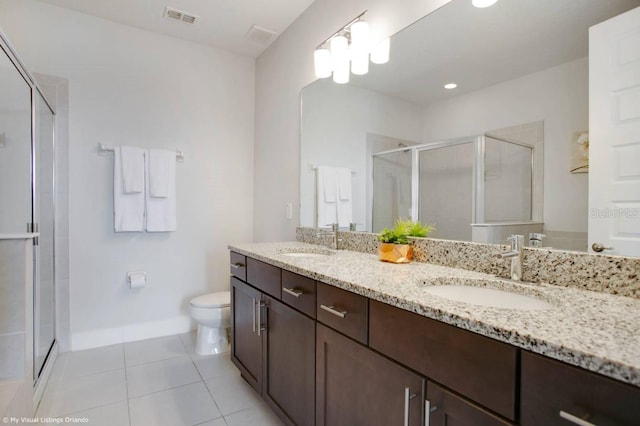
x: 327, y: 212
x: 344, y: 183
x: 162, y: 169
x: 330, y: 181
x: 132, y: 162
x: 344, y: 204
x: 161, y: 211
x: 128, y: 209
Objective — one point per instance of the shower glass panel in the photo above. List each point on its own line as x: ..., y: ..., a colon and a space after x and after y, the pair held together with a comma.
x: 391, y: 188
x: 15, y: 149
x: 44, y: 318
x: 507, y: 181
x: 446, y: 190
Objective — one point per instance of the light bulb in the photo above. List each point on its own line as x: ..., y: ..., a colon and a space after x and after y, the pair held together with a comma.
x: 341, y: 72
x: 340, y: 59
x: 380, y: 53
x: 360, y: 36
x: 483, y: 3
x: 322, y: 62
x: 360, y: 63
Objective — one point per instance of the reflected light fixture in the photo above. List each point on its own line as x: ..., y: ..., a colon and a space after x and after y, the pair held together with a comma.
x: 349, y: 50
x: 450, y: 86
x: 483, y: 3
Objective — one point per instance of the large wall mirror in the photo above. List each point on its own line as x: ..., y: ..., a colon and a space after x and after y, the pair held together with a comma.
x: 504, y: 152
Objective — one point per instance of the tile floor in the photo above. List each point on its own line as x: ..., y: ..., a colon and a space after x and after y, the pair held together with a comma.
x: 153, y: 382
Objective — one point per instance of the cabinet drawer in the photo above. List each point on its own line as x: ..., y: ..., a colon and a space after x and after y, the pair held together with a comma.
x: 343, y: 311
x: 238, y: 266
x: 264, y: 277
x: 549, y: 387
x: 299, y: 292
x: 447, y: 408
x: 475, y: 366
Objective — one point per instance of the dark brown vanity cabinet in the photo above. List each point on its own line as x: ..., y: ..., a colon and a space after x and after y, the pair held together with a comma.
x: 246, y: 332
x: 289, y: 360
x: 272, y: 344
x: 475, y: 366
x: 448, y: 409
x: 322, y: 355
x: 555, y: 393
x: 357, y: 386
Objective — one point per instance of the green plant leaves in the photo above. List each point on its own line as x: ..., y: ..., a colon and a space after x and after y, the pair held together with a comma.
x: 402, y: 230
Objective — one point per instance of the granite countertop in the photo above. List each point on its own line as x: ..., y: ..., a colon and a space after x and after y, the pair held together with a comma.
x: 596, y: 331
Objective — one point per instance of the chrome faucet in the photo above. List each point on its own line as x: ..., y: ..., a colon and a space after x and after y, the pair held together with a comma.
x: 333, y: 233
x: 517, y: 242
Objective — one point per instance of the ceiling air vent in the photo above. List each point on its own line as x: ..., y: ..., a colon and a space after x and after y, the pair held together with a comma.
x: 259, y: 34
x: 178, y: 15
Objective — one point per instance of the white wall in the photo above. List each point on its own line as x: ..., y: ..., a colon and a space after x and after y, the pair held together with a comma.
x: 337, y: 119
x: 128, y: 86
x: 281, y: 73
x: 560, y: 97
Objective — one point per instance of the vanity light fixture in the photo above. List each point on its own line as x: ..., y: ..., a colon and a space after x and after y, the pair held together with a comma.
x: 349, y: 50
x: 450, y: 86
x: 483, y: 3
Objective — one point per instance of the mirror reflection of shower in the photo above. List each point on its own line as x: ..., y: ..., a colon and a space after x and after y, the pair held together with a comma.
x: 478, y: 188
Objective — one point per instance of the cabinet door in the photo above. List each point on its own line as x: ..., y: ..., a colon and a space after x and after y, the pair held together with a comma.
x: 554, y: 393
x: 356, y: 386
x: 289, y: 385
x: 246, y: 336
x: 448, y: 409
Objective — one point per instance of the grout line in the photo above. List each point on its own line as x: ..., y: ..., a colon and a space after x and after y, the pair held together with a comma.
x: 126, y: 383
x: 169, y: 388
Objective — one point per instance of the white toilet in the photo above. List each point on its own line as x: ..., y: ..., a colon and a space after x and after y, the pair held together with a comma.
x: 212, y: 313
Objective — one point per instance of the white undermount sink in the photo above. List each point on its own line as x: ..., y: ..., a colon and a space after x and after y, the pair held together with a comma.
x: 306, y: 252
x: 475, y: 292
x: 303, y: 254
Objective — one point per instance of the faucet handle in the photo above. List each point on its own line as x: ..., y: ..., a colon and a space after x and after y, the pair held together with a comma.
x: 516, y: 241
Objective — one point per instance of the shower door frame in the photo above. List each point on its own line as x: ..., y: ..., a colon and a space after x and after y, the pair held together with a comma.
x: 32, y: 227
x: 478, y: 171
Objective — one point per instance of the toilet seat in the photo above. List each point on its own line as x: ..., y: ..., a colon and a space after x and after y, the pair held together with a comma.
x: 220, y: 299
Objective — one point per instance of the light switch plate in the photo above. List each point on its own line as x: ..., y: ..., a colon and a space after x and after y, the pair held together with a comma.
x: 3, y: 140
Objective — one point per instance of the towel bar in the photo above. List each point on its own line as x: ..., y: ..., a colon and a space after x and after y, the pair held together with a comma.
x: 103, y: 149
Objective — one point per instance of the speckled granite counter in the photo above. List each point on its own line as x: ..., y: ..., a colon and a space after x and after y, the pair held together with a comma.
x: 598, y: 332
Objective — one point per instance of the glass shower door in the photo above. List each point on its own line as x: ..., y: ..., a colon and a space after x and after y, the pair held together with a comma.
x: 508, y: 181
x: 391, y: 188
x: 44, y: 301
x: 446, y: 189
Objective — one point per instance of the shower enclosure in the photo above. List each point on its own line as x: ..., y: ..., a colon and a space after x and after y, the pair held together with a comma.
x: 454, y: 185
x: 27, y: 236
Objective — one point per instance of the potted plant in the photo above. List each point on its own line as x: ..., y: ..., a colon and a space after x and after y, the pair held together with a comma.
x: 395, y: 246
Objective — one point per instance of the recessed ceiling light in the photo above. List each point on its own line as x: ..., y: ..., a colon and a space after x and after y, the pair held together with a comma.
x: 483, y: 3
x: 450, y: 86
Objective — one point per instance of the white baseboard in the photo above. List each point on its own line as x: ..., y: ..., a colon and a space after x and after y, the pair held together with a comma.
x: 129, y: 333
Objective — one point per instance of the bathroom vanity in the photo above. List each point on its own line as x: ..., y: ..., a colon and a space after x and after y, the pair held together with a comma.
x: 339, y: 338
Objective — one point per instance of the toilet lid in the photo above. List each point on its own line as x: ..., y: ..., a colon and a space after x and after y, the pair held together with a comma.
x: 219, y: 299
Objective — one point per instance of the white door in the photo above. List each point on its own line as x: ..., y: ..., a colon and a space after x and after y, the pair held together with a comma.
x: 614, y: 134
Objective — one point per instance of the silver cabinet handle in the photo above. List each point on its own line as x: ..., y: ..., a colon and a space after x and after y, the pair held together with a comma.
x: 428, y: 409
x: 253, y: 309
x: 597, y: 247
x: 292, y: 291
x: 427, y: 412
x: 407, y: 396
x: 237, y: 265
x: 260, y: 327
x: 575, y: 419
x: 331, y: 310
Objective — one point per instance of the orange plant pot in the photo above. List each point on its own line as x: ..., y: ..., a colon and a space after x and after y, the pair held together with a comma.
x: 395, y: 253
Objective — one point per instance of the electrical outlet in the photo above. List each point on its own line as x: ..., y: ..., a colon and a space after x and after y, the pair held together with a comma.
x: 289, y: 210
